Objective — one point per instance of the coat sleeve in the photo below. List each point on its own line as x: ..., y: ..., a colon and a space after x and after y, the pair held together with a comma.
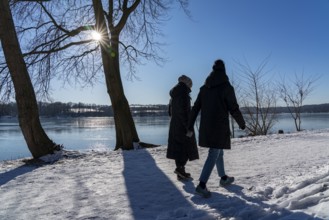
x: 194, y: 112
x: 233, y: 107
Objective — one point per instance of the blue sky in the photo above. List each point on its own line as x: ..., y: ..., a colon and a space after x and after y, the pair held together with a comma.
x: 294, y: 33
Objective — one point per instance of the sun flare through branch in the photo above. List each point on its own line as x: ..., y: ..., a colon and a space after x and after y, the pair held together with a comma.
x: 96, y: 35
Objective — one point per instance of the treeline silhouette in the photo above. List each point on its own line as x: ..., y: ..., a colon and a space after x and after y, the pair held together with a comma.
x: 320, y: 108
x: 59, y: 109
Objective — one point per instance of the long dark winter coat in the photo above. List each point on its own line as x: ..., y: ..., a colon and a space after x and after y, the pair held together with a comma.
x: 179, y: 145
x: 216, y: 100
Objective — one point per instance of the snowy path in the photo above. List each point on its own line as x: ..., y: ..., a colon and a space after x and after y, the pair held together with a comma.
x: 277, y: 177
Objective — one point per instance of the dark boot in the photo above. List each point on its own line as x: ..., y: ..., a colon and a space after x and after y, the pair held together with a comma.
x: 180, y: 171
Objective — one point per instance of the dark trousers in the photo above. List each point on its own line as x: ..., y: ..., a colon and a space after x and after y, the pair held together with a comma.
x: 181, y: 162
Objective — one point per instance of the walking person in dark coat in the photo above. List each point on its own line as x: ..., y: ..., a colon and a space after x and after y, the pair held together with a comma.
x: 216, y: 100
x: 180, y: 147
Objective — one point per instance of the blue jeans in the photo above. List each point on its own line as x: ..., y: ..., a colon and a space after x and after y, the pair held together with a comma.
x: 215, y: 157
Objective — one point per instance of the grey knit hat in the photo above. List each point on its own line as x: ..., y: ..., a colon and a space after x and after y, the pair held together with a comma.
x: 186, y: 80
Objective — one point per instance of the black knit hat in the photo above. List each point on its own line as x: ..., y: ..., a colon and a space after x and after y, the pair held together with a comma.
x: 218, y: 64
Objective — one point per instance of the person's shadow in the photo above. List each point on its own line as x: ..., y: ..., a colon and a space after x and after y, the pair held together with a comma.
x: 151, y: 194
x: 241, y: 206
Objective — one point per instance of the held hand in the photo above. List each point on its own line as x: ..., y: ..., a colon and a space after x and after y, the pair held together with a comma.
x: 189, y: 134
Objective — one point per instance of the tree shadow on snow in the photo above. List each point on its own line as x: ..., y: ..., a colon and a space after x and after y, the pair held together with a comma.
x: 151, y: 194
x: 18, y: 171
x: 244, y: 207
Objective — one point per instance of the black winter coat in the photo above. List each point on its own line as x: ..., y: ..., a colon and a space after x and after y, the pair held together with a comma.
x: 179, y: 145
x: 216, y: 100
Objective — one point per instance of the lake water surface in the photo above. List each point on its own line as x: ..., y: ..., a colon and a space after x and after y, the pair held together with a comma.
x: 98, y: 133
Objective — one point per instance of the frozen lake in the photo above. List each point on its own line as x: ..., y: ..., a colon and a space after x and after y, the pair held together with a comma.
x: 98, y: 133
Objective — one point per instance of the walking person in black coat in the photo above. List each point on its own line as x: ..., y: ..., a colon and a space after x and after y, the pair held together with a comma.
x: 180, y: 147
x: 216, y: 100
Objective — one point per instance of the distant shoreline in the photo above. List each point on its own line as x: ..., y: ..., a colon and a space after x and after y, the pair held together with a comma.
x: 59, y: 109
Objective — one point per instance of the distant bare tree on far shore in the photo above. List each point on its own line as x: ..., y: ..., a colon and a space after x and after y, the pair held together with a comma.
x: 294, y: 94
x: 258, y: 98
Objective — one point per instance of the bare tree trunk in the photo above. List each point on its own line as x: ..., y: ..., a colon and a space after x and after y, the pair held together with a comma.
x: 298, y: 122
x: 37, y: 140
x: 126, y: 132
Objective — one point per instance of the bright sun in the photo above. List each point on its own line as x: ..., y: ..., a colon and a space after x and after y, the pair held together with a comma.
x: 96, y: 35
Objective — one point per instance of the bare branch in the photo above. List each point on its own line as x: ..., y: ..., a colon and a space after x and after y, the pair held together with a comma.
x: 54, y: 50
x: 126, y: 12
x: 259, y: 100
x: 52, y: 32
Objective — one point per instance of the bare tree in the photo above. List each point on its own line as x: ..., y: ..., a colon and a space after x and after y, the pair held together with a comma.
x: 61, y: 44
x: 258, y: 99
x: 294, y: 93
x: 37, y: 140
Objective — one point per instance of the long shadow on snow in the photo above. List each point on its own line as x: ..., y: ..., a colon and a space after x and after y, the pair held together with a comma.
x: 245, y: 207
x: 18, y: 171
x: 150, y: 192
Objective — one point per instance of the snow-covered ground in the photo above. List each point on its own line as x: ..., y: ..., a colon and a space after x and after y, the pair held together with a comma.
x: 277, y: 177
